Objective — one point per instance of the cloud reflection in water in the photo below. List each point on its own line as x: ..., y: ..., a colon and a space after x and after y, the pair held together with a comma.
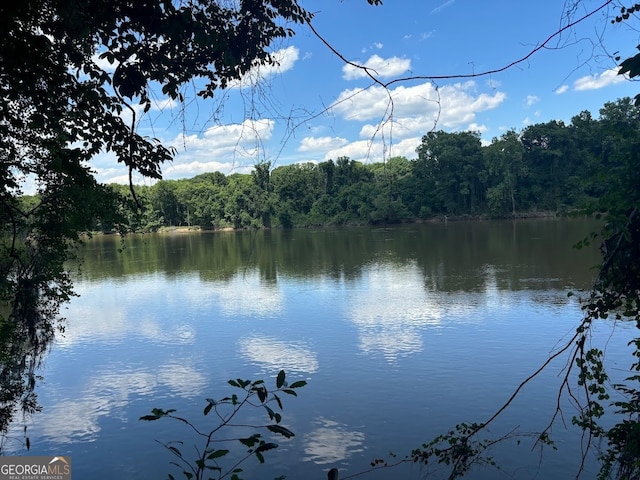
x: 393, y: 327
x: 247, y: 295
x: 108, y: 394
x: 274, y: 354
x: 331, y: 442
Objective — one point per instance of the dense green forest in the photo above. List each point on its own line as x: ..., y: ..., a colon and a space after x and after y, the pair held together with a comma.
x: 547, y: 167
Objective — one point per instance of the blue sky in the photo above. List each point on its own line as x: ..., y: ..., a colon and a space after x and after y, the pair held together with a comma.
x: 313, y: 107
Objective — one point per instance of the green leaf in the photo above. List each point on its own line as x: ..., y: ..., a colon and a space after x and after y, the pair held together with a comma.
x: 266, y: 446
x: 149, y: 418
x: 270, y: 412
x: 207, y: 409
x: 262, y: 394
x: 250, y: 441
x: 289, y: 392
x: 157, y: 413
x: 174, y: 450
x: 280, y: 430
x: 280, y: 379
x: 217, y: 454
x: 298, y: 384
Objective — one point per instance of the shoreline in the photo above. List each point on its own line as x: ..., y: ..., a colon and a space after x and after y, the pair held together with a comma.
x: 538, y: 214
x: 176, y: 230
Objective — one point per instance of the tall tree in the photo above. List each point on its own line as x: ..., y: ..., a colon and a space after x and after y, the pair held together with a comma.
x: 549, y: 157
x: 504, y: 160
x: 59, y: 107
x: 450, y: 165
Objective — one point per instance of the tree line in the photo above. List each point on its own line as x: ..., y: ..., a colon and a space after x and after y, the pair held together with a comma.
x: 547, y: 167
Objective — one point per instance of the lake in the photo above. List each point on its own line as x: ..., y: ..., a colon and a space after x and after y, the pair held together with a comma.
x: 400, y: 333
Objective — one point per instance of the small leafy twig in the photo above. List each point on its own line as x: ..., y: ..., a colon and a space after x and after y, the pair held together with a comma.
x: 255, y: 394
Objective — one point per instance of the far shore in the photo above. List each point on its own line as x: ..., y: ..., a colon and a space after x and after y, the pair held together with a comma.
x: 174, y: 230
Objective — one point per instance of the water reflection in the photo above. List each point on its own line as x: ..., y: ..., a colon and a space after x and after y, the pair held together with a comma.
x: 246, y: 294
x: 77, y: 418
x: 331, y: 443
x: 528, y: 254
x: 391, y: 309
x: 112, y: 313
x: 273, y: 354
x: 368, y: 314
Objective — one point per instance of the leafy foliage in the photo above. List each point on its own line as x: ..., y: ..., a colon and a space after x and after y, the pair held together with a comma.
x: 552, y: 167
x: 213, y: 459
x: 74, y: 76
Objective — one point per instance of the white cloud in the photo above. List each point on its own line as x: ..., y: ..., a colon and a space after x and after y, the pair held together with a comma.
x: 231, y: 148
x: 233, y: 134
x: 594, y: 82
x: 427, y: 35
x: 405, y: 148
x: 285, y: 59
x: 562, y: 89
x: 380, y: 67
x: 191, y: 169
x: 361, y: 150
x: 416, y: 108
x: 226, y: 144
x: 104, y: 64
x: 161, y: 105
x: 315, y: 144
x: 531, y: 100
x: 474, y: 127
x: 376, y: 150
x: 441, y: 7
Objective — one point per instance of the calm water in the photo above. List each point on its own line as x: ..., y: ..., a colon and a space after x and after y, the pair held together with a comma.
x: 401, y: 334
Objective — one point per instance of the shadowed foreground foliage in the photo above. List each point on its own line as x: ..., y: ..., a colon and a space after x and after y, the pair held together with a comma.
x: 59, y: 108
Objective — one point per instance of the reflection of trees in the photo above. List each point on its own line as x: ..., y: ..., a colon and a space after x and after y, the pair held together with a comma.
x: 24, y: 339
x: 519, y: 253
